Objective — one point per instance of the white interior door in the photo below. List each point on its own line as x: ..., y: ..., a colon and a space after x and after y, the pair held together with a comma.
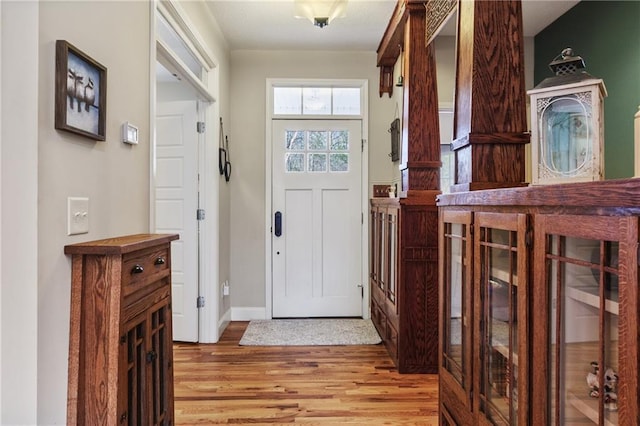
x: 176, y: 195
x: 317, y: 256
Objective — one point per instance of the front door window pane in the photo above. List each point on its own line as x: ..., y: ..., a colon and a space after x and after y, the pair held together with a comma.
x: 317, y: 140
x: 317, y: 162
x: 316, y: 100
x: 316, y: 151
x: 295, y: 140
x: 346, y: 101
x: 294, y: 162
x: 339, y: 162
x: 340, y: 140
x: 287, y: 100
x: 322, y: 101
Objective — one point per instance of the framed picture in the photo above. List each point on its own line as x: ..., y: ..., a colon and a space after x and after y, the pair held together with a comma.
x: 394, y: 129
x: 81, y: 93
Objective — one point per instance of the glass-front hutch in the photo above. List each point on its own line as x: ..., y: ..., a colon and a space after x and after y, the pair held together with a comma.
x: 552, y: 336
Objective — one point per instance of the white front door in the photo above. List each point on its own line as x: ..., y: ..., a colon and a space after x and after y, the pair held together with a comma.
x: 316, y: 242
x: 176, y: 203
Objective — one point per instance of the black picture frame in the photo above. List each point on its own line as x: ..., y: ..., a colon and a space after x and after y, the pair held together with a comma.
x: 81, y: 93
x: 394, y: 129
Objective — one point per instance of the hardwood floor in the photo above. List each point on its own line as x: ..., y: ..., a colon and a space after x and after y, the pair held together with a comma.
x: 225, y: 383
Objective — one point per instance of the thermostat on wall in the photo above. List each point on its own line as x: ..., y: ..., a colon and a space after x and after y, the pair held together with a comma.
x: 129, y: 133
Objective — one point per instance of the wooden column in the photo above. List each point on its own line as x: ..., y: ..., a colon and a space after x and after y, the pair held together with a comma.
x: 420, y: 153
x: 417, y: 276
x: 490, y: 102
x: 420, y: 179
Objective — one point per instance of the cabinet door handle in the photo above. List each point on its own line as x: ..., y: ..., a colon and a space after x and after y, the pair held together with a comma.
x: 152, y: 356
x: 138, y: 269
x: 159, y: 261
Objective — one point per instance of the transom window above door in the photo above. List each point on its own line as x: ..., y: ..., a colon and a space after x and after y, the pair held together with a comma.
x: 316, y: 151
x: 317, y: 101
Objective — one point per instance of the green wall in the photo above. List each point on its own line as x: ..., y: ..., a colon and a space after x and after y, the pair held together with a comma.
x: 607, y: 36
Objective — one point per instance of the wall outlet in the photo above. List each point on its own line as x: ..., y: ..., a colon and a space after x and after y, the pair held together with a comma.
x: 225, y: 288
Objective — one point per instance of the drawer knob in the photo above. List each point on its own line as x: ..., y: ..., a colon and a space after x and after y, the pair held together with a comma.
x: 152, y: 356
x: 160, y: 261
x: 138, y: 269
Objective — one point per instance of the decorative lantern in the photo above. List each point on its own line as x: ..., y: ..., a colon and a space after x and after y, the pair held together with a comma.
x: 567, y: 124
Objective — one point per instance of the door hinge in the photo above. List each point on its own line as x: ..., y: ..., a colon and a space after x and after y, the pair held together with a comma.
x: 362, y: 145
x: 362, y: 218
x: 361, y: 291
x: 200, y: 126
x: 200, y: 214
x: 200, y: 302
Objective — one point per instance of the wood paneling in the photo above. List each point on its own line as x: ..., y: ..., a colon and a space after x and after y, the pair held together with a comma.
x: 490, y: 102
x: 408, y: 324
x: 419, y: 272
x: 420, y: 167
x: 225, y: 383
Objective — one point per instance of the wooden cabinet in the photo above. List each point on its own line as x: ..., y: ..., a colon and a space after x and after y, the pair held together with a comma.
x: 403, y: 268
x: 383, y: 276
x: 120, y: 346
x: 540, y: 305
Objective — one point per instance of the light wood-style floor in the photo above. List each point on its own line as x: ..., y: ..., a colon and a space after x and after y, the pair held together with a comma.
x: 225, y: 383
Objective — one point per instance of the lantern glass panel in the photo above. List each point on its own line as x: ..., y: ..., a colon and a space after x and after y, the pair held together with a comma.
x: 566, y: 135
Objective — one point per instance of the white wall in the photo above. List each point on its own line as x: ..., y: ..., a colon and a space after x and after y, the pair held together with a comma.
x: 19, y: 155
x: 114, y: 176
x: 249, y: 71
x: 1, y: 364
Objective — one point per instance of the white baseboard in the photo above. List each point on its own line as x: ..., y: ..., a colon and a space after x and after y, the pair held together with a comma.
x: 223, y: 322
x: 248, y: 314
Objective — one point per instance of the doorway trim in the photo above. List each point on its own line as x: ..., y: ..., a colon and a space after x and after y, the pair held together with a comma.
x: 363, y: 84
x: 210, y: 327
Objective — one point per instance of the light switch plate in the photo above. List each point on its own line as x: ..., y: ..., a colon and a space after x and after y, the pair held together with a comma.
x: 77, y: 215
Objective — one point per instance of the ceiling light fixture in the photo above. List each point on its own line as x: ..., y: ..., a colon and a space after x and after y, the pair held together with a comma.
x: 320, y: 12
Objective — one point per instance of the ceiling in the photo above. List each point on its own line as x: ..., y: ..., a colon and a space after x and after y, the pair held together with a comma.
x: 271, y: 25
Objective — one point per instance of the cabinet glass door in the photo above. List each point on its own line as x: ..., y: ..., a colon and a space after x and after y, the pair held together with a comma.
x: 133, y: 402
x: 375, y: 246
x: 382, y: 258
x: 392, y: 256
x: 584, y: 283
x: 160, y: 361
x: 456, y: 307
x: 501, y: 315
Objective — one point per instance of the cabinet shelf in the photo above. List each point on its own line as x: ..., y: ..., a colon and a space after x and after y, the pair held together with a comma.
x: 590, y: 296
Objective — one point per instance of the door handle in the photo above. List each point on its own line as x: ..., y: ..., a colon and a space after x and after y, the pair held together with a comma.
x: 278, y: 224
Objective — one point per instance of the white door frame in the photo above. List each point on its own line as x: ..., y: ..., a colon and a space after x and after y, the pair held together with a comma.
x: 209, y: 329
x: 364, y: 85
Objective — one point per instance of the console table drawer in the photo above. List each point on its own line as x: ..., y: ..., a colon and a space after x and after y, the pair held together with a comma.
x: 143, y: 267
